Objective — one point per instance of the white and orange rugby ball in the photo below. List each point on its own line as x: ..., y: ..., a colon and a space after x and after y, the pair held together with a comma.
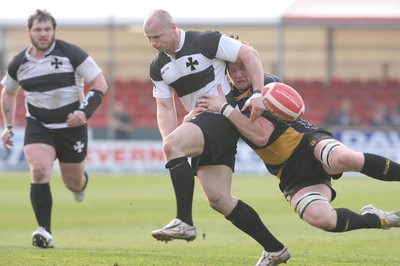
x: 283, y: 101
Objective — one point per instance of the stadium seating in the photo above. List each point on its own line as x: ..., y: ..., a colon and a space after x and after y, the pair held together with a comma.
x: 320, y: 99
x: 364, y: 97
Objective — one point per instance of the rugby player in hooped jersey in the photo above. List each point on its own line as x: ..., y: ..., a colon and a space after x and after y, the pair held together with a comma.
x: 305, y: 159
x: 190, y: 64
x: 52, y: 73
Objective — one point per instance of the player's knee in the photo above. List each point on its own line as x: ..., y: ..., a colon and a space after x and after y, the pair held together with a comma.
x: 319, y: 218
x: 215, y: 203
x: 74, y: 185
x: 314, y: 208
x: 170, y: 146
x: 40, y: 173
x: 307, y: 199
x: 348, y: 161
x: 73, y: 181
x: 219, y: 204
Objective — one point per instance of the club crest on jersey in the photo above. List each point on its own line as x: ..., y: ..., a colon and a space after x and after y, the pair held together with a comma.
x: 79, y: 146
x: 56, y: 63
x: 192, y: 63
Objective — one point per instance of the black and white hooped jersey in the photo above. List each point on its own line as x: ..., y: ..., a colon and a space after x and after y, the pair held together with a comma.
x: 53, y: 85
x: 198, y: 67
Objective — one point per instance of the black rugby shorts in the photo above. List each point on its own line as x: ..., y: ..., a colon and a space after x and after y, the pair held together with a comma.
x: 70, y: 143
x: 220, y: 140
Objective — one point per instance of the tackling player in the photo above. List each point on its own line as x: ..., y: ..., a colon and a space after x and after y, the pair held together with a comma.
x: 305, y: 159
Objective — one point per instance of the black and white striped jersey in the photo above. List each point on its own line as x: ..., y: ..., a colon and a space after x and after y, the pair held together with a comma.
x: 198, y: 67
x: 53, y: 85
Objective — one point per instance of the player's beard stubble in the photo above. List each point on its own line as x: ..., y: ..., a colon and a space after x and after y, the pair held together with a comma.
x: 40, y: 46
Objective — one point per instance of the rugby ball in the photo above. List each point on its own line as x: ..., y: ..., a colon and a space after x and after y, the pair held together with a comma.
x: 283, y: 101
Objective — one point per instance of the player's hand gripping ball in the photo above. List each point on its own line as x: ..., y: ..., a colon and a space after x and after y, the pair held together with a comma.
x: 283, y: 101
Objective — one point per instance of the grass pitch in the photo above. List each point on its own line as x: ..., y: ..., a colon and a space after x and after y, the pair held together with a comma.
x: 112, y: 225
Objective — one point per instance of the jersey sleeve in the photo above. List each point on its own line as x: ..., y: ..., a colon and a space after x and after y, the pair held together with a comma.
x: 161, y: 89
x: 228, y: 49
x: 10, y: 84
x: 88, y: 69
x: 10, y: 81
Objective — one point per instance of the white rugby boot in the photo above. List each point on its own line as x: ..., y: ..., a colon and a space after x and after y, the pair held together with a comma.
x: 176, y: 229
x: 42, y: 239
x: 274, y: 258
x: 388, y: 219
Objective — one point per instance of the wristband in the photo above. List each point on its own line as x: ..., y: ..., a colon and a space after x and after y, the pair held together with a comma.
x: 256, y: 91
x: 228, y: 110
x: 10, y: 129
x: 92, y: 102
x: 223, y: 108
x: 255, y: 95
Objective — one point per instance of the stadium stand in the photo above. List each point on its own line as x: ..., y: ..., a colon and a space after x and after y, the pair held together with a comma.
x: 320, y: 99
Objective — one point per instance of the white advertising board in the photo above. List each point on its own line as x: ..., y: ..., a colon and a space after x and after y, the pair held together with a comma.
x: 147, y: 156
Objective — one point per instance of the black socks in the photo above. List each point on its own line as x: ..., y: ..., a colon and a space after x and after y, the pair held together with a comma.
x: 381, y: 168
x: 246, y: 219
x: 348, y: 220
x: 42, y: 202
x: 182, y: 178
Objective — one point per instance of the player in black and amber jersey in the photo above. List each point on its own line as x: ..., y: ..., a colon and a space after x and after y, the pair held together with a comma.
x: 305, y: 158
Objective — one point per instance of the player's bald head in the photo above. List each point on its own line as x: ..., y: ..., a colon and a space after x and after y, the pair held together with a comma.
x: 158, y: 15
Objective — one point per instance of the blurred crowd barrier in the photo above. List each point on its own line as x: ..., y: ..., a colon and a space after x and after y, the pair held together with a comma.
x: 146, y: 156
